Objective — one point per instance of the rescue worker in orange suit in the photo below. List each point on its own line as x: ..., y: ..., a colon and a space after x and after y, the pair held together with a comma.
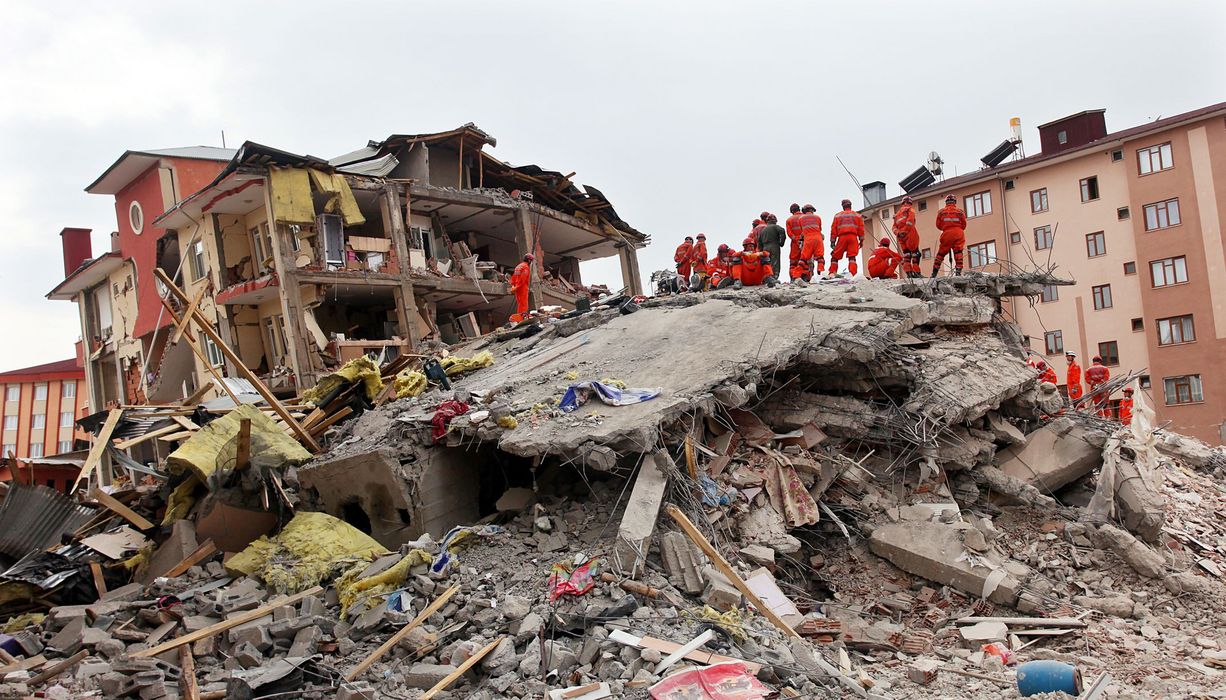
x: 1072, y: 378
x: 796, y: 248
x: 1126, y: 406
x: 682, y: 258
x: 771, y: 240
x: 883, y: 263
x: 908, y: 238
x: 519, y: 287
x: 720, y: 267
x: 1096, y: 376
x: 1046, y: 374
x: 846, y: 235
x: 814, y: 248
x: 698, y: 263
x: 752, y: 267
x: 951, y: 221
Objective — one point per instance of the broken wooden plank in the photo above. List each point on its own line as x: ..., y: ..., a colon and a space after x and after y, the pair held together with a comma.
x: 58, y: 668
x: 242, y: 449
x: 401, y: 633
x: 187, y: 678
x: 120, y: 509
x: 227, y: 624
x: 1033, y: 621
x: 93, y: 461
x: 462, y: 669
x: 133, y: 442
x: 23, y: 664
x: 331, y: 420
x: 177, y: 436
x: 185, y: 423
x: 701, y: 656
x: 204, y: 551
x: 726, y: 569
x: 99, y: 581
x: 685, y: 650
x: 191, y: 343
x: 183, y: 323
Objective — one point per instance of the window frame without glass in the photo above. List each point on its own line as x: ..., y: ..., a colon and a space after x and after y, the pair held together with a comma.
x: 1089, y: 189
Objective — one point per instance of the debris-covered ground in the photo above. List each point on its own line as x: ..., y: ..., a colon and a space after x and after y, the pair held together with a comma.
x: 851, y: 489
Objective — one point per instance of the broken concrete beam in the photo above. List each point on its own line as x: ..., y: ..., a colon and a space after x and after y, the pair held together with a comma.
x: 1137, y: 554
x: 961, y: 311
x: 934, y: 551
x: 682, y: 562
x: 639, y: 520
x: 1139, y: 505
x: 1013, y: 488
x: 1004, y: 431
x: 1054, y: 456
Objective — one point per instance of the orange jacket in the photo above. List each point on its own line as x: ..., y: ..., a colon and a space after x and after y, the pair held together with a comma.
x: 1097, y: 374
x: 720, y: 268
x: 847, y: 223
x: 810, y: 226
x: 683, y: 252
x: 951, y: 217
x: 882, y: 260
x: 1073, y: 376
x: 698, y: 256
x: 793, y: 225
x: 519, y: 278
x: 1047, y: 374
x: 904, y: 221
x: 1126, y: 411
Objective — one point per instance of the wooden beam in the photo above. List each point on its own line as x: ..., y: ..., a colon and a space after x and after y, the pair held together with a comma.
x: 99, y: 581
x: 23, y: 664
x: 227, y: 624
x: 181, y: 324
x: 176, y: 436
x: 319, y: 428
x: 201, y: 553
x: 463, y: 668
x: 58, y: 668
x: 191, y: 343
x: 93, y: 461
x: 726, y: 569
x: 299, y: 431
x: 187, y: 679
x: 133, y: 442
x: 242, y: 450
x: 120, y: 509
x: 401, y: 633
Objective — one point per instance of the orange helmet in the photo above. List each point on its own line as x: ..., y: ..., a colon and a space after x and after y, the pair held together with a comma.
x: 749, y: 243
x: 950, y: 199
x: 906, y: 200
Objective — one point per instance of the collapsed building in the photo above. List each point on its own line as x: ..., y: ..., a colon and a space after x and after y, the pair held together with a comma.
x: 854, y: 489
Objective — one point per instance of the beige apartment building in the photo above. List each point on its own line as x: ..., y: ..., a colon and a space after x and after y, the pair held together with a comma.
x: 1134, y: 217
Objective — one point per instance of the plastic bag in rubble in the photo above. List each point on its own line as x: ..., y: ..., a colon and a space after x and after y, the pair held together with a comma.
x: 458, y: 538
x: 579, y: 394
x: 574, y: 582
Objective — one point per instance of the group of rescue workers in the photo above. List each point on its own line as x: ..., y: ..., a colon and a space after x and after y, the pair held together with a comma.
x: 761, y: 256
x: 1096, y: 376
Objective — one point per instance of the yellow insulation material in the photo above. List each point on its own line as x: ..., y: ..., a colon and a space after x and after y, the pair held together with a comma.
x: 215, y: 444
x: 181, y: 500
x: 342, y: 200
x: 459, y: 365
x: 410, y: 383
x: 312, y: 547
x: 373, y: 590
x: 361, y: 369
x: 17, y: 624
x: 508, y: 422
x: 290, y: 192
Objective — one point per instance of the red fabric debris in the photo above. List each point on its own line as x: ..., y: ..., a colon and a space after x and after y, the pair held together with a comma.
x: 443, y: 415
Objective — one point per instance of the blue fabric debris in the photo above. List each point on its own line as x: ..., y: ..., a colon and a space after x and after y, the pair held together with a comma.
x: 579, y: 394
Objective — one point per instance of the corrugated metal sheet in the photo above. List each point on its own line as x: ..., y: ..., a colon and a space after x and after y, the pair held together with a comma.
x: 35, y: 517
x: 49, y: 569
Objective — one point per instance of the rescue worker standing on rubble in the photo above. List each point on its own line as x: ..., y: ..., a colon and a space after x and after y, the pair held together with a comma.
x: 698, y: 263
x: 846, y: 235
x: 682, y: 258
x: 883, y: 263
x: 796, y: 269
x: 1072, y: 378
x: 814, y: 248
x: 1126, y: 406
x: 771, y: 240
x: 1096, y: 376
x: 519, y: 287
x: 951, y: 221
x: 908, y: 238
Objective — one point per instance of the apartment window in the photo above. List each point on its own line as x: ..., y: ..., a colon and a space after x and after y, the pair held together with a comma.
x: 40, y: 392
x: 1096, y: 244
x: 64, y: 446
x: 1043, y: 240
x: 1176, y: 330
x: 1122, y: 213
x: 1050, y: 293
x: 1053, y: 342
x: 1130, y: 267
x: 1138, y: 325
x: 1161, y: 215
x: 981, y: 254
x: 211, y: 351
x: 926, y: 253
x: 68, y: 389
x: 1038, y: 200
x: 1015, y: 238
x: 12, y: 392
x: 276, y: 339
x: 1169, y: 271
x: 1154, y: 159
x: 1089, y: 189
x: 1117, y: 155
x: 66, y: 419
x: 1010, y: 184
x: 36, y: 449
x: 1185, y: 389
x: 261, y: 247
x: 9, y: 449
x: 1110, y: 352
x: 10, y: 422
x: 923, y: 205
x: 1102, y: 296
x: 197, y: 257
x: 978, y: 204
x: 38, y: 421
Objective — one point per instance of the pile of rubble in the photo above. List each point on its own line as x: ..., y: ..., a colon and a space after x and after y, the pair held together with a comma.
x: 854, y: 489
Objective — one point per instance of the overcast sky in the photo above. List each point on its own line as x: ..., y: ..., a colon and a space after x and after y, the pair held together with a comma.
x: 689, y: 116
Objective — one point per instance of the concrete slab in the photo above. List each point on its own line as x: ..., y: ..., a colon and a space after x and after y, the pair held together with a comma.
x: 935, y: 552
x: 1053, y: 457
x: 639, y: 520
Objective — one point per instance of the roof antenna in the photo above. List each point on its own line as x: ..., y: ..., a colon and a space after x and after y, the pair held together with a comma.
x: 223, y: 138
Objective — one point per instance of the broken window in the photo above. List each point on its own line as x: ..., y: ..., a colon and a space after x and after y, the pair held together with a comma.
x: 196, y: 254
x: 261, y: 247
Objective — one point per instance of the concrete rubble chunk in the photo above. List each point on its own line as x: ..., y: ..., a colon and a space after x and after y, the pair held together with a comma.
x: 639, y: 520
x: 935, y: 551
x: 1054, y: 456
x: 718, y: 591
x: 682, y: 561
x: 1136, y: 553
x: 425, y: 676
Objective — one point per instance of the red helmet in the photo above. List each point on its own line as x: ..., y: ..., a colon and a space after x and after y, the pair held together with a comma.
x: 749, y: 243
x: 723, y: 248
x: 1041, y: 365
x: 847, y: 204
x: 1127, y: 390
x: 764, y: 215
x: 702, y: 236
x: 1098, y: 359
x: 906, y: 200
x: 757, y: 223
x: 794, y: 208
x: 529, y: 257
x: 772, y: 219
x: 950, y: 199
x: 885, y: 242
x: 808, y: 208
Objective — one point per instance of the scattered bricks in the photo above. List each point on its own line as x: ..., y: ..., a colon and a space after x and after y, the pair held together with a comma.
x: 311, y: 606
x: 719, y: 593
x: 306, y: 641
x: 425, y: 676
x: 284, y: 613
x: 682, y: 562
x: 153, y: 691
x: 983, y: 608
x: 113, y: 685
x: 356, y: 691
x: 923, y: 599
x: 936, y: 618
x: 205, y: 647
x: 92, y: 636
x: 68, y: 641
x: 128, y: 593
x: 61, y: 615
x: 247, y: 654
x: 821, y: 629
x: 916, y: 642
x: 195, y: 623
x: 92, y: 667
x: 111, y: 648
x: 923, y: 672
x: 254, y: 633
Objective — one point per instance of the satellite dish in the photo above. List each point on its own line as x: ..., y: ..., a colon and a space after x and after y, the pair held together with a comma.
x: 935, y: 164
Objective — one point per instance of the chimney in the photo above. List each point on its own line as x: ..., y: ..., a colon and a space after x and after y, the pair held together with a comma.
x: 77, y: 248
x: 874, y: 193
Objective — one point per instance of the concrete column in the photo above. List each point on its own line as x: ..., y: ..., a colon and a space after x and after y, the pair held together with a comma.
x: 525, y: 236
x: 394, y: 227
x: 631, y: 279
